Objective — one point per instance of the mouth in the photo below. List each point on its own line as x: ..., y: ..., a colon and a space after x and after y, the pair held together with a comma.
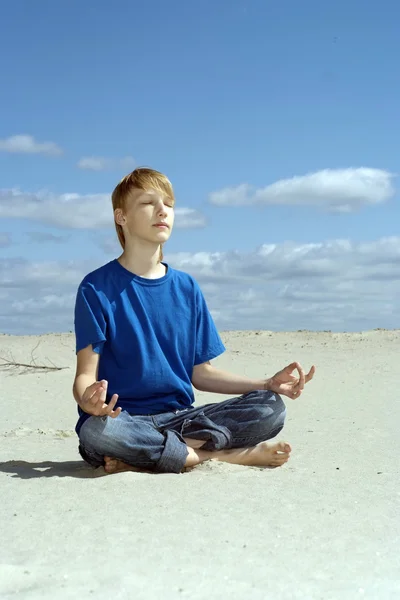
x: 161, y: 225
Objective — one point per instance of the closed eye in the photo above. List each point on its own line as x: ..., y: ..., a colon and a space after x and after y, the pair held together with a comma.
x: 169, y: 204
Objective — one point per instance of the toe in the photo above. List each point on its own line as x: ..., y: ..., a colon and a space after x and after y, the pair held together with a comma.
x: 110, y: 464
x: 284, y: 447
x: 280, y: 447
x: 110, y: 467
x: 281, y: 458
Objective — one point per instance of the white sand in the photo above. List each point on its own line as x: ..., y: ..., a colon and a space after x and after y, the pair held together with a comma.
x: 325, y: 526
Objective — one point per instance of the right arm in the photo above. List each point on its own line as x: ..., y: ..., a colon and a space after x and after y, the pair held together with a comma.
x: 89, y: 393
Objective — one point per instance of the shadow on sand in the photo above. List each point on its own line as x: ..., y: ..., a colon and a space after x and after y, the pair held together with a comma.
x: 70, y: 468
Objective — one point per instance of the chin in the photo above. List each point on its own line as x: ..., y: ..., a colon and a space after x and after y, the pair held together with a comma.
x: 162, y: 235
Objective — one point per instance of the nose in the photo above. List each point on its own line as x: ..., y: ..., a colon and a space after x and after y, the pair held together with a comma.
x: 162, y: 211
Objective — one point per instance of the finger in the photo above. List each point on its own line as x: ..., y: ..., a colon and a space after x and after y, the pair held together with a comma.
x: 112, y: 403
x: 292, y: 367
x: 96, y: 385
x: 116, y: 412
x: 96, y: 397
x: 113, y: 413
x: 310, y: 374
x: 99, y: 399
x: 104, y: 390
x: 107, y: 409
x: 296, y: 394
x: 302, y: 378
x: 92, y: 389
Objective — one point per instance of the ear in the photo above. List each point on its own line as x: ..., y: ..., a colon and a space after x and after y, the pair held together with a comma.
x: 119, y: 217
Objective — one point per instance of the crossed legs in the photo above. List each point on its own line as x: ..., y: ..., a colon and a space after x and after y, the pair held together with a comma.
x: 243, y: 428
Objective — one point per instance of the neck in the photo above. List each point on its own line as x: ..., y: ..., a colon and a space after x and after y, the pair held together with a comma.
x: 142, y: 260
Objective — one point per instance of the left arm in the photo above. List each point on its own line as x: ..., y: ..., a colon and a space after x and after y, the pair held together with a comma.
x: 206, y: 378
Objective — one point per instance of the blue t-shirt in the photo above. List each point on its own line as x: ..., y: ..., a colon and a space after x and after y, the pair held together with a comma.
x: 150, y: 333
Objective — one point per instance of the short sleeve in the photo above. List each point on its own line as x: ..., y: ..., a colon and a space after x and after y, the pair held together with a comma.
x: 208, y: 342
x: 90, y: 323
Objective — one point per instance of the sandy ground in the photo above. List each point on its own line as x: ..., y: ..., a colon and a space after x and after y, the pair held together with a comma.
x: 325, y: 526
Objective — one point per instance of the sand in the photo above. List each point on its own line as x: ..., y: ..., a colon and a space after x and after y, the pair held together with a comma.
x: 325, y: 526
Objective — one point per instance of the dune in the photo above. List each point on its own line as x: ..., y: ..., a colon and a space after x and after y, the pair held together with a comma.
x: 324, y: 526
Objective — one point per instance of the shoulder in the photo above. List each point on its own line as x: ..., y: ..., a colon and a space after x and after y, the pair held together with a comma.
x: 185, y: 281
x: 95, y: 286
x: 98, y: 278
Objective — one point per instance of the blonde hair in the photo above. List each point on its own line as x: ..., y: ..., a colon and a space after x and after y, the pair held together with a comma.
x: 141, y: 178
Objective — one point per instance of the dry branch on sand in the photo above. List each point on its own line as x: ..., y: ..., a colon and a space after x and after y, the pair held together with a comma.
x: 11, y: 362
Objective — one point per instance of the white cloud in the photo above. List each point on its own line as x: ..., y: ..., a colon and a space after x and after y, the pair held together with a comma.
x: 48, y: 302
x: 342, y: 259
x: 101, y: 163
x: 65, y: 210
x: 48, y: 276
x: 75, y: 211
x: 37, y: 297
x: 340, y: 190
x: 26, y: 144
x: 338, y: 285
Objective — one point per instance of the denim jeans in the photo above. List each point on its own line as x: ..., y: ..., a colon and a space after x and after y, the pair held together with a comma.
x: 155, y: 442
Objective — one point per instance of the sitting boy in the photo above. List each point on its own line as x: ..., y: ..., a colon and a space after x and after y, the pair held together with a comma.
x: 144, y: 337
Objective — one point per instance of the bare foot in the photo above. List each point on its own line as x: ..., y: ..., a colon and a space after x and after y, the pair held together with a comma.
x: 113, y: 465
x: 265, y: 454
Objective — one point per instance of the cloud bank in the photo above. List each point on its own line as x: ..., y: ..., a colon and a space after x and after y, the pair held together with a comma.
x: 76, y: 211
x: 338, y: 285
x: 340, y: 190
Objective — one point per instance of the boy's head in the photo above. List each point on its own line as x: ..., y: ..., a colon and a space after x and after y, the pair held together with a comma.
x: 142, y: 195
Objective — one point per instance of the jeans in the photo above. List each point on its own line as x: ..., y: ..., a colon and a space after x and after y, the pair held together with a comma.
x: 155, y: 442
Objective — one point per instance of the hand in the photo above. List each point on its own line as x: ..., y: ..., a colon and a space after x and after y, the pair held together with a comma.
x: 289, y: 385
x: 94, y: 401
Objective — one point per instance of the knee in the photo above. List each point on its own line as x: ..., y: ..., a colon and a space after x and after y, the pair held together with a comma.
x: 271, y: 407
x: 278, y: 406
x: 97, y: 433
x: 272, y: 414
x: 266, y: 398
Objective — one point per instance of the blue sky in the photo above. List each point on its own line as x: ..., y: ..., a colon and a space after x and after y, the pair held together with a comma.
x: 217, y: 95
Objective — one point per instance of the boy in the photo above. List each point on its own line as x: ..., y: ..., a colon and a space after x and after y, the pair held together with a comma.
x: 144, y: 337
